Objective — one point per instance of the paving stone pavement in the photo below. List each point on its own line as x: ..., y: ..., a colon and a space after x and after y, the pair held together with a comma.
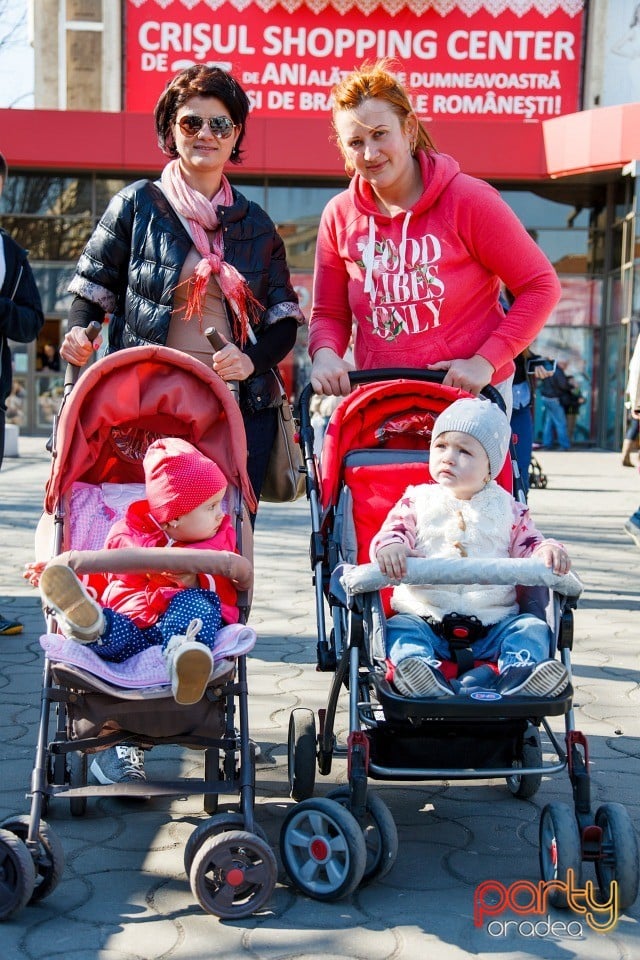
x: 124, y: 894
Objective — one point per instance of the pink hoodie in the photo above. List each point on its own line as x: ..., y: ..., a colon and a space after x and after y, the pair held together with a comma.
x: 423, y: 286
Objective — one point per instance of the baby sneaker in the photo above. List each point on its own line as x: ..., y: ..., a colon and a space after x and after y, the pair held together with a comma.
x: 416, y: 677
x: 189, y: 664
x: 547, y: 678
x: 79, y: 616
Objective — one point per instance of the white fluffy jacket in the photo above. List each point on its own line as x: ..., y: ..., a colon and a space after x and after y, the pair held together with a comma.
x: 481, y: 527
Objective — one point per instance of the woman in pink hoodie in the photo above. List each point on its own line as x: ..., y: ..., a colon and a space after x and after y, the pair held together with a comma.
x: 414, y: 252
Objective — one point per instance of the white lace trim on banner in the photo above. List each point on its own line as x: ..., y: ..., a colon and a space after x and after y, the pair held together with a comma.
x: 392, y: 7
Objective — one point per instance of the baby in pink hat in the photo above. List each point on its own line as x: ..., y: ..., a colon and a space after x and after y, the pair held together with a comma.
x: 183, y: 508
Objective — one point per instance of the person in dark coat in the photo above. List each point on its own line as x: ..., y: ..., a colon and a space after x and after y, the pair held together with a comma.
x: 21, y: 319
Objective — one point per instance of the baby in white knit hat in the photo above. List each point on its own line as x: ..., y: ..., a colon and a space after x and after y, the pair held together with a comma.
x: 477, y: 629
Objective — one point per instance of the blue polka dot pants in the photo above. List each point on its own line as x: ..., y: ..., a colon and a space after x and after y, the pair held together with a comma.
x: 122, y: 638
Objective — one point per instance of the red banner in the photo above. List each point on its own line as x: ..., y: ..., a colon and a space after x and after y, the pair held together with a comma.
x: 499, y: 65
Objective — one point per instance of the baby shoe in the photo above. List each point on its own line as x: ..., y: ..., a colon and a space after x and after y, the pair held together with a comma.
x: 80, y: 617
x: 189, y: 664
x: 415, y: 677
x: 547, y: 678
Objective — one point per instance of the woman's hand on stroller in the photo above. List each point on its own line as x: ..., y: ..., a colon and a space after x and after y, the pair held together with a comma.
x: 330, y: 374
x: 555, y: 557
x: 230, y: 363
x: 76, y: 348
x: 470, y: 375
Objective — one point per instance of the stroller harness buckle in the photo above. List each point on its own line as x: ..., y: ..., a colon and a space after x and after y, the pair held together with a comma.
x: 460, y: 632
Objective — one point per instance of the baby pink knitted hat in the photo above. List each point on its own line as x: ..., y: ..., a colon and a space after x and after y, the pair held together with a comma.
x: 178, y: 478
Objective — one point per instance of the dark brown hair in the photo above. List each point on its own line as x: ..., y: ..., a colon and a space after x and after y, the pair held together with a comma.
x: 200, y: 81
x: 4, y: 169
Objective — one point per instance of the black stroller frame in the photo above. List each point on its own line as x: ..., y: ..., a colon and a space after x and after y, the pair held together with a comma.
x: 396, y: 738
x: 230, y: 865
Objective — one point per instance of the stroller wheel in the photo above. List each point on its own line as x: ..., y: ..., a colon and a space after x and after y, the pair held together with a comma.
x: 525, y: 785
x: 323, y: 849
x: 49, y: 865
x: 213, y: 827
x: 560, y: 849
x: 77, y: 775
x: 302, y: 753
x: 379, y: 831
x: 17, y: 874
x: 233, y: 875
x: 619, y: 860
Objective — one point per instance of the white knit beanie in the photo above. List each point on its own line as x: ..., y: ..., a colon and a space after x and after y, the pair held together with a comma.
x: 481, y: 419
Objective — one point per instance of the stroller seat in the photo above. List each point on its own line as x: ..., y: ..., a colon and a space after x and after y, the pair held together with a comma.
x: 92, y: 509
x: 374, y: 480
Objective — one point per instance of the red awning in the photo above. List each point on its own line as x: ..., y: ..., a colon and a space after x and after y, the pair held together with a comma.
x: 600, y: 139
x: 124, y: 144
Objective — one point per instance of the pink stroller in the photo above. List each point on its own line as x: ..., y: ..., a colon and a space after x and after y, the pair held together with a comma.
x: 120, y: 405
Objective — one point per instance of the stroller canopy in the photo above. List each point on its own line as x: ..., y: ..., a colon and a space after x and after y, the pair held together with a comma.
x: 385, y: 414
x: 126, y: 400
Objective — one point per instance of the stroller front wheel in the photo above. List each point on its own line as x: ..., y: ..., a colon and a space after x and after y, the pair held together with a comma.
x: 560, y: 849
x: 379, y: 831
x: 619, y: 860
x: 233, y: 874
x: 49, y: 865
x: 213, y: 827
x: 17, y: 875
x: 323, y: 849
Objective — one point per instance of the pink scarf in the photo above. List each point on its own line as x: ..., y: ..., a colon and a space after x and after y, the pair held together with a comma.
x: 201, y: 215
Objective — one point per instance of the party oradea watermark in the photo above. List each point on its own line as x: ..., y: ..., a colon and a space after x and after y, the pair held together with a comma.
x: 529, y: 903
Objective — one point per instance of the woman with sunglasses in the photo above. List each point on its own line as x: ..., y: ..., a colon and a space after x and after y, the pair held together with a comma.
x: 173, y: 257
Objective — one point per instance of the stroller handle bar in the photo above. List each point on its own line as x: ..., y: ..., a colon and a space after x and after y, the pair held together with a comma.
x: 357, y: 377
x: 367, y: 577
x: 144, y: 559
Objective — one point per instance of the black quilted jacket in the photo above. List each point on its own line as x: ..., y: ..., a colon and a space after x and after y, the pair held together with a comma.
x: 133, y: 260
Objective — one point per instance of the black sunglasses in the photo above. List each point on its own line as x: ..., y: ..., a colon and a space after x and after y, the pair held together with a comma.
x: 221, y: 127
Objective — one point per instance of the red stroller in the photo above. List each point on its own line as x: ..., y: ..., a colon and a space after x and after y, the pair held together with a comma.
x: 118, y: 406
x: 377, y: 444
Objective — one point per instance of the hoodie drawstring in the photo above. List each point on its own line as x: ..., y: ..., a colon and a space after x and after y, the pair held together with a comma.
x: 369, y: 257
x: 369, y: 254
x: 403, y: 242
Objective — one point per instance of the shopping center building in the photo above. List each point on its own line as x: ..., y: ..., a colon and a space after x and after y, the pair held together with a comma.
x: 540, y: 98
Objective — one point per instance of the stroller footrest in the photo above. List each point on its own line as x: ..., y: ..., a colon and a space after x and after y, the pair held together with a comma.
x: 482, y: 704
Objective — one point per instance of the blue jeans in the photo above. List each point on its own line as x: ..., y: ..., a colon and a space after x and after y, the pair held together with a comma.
x: 555, y: 421
x: 123, y: 638
x: 506, y: 641
x: 522, y: 427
